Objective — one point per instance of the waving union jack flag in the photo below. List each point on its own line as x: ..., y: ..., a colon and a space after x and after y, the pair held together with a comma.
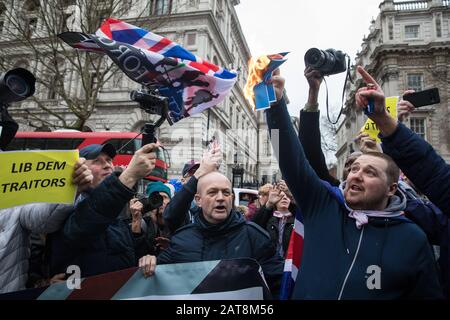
x: 191, y: 83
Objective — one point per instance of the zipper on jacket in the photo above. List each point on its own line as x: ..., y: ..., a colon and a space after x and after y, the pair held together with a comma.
x: 351, y: 266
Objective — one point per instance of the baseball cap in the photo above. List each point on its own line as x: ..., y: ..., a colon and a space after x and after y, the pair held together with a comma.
x: 92, y: 151
x: 190, y: 166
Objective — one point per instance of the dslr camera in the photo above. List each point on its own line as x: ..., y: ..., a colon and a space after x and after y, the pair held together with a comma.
x: 328, y: 61
x: 152, y: 103
x: 16, y: 85
x: 152, y: 202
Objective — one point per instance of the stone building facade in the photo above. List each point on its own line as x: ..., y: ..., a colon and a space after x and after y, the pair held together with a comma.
x: 408, y: 47
x: 211, y: 30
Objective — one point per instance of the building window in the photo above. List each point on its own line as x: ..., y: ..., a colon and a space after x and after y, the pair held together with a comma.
x: 418, y: 126
x: 438, y: 26
x: 391, y: 28
x: 412, y: 32
x: 191, y: 39
x: 161, y: 7
x: 415, y: 82
x: 267, y: 147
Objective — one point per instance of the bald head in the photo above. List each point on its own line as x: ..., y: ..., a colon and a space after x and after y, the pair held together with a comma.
x: 214, y: 196
x: 209, y: 178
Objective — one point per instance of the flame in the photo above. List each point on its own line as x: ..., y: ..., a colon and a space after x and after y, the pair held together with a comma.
x: 256, y: 69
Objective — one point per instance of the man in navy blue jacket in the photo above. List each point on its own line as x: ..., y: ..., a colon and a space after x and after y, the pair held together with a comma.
x: 358, y: 245
x: 423, y: 212
x: 421, y: 164
x: 93, y: 237
x: 219, y: 232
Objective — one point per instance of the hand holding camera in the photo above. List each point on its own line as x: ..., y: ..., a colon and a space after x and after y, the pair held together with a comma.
x: 142, y: 163
x: 136, y: 215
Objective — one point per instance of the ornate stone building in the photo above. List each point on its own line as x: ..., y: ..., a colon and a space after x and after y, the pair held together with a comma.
x: 208, y: 28
x: 408, y: 47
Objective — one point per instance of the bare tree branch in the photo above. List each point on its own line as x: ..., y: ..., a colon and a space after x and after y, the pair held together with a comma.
x: 30, y: 31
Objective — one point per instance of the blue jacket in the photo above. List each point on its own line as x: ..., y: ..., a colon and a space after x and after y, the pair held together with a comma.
x: 93, y: 237
x: 431, y: 175
x: 338, y: 258
x: 233, y: 238
x: 423, y: 212
x: 421, y: 164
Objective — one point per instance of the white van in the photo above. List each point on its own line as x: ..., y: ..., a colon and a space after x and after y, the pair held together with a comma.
x: 241, y: 194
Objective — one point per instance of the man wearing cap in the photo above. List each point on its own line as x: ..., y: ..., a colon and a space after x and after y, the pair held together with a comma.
x: 99, y: 160
x: 93, y: 237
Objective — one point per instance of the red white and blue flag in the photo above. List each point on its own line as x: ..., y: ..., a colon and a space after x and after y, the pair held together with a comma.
x: 293, y: 257
x: 190, y: 83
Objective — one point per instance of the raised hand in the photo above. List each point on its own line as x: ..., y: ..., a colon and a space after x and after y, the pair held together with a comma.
x: 142, y: 163
x: 386, y: 124
x: 278, y: 83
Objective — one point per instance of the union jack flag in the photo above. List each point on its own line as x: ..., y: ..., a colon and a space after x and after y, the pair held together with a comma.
x: 293, y: 257
x: 190, y: 83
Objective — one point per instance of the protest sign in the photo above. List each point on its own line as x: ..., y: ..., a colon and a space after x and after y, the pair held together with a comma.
x: 371, y: 128
x: 36, y: 176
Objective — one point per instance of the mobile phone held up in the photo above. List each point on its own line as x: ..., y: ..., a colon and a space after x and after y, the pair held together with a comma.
x: 423, y: 98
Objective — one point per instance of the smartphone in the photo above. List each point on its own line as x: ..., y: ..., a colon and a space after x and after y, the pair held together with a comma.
x: 423, y: 98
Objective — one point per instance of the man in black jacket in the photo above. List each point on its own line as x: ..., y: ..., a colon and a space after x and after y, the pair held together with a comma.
x: 221, y: 233
x: 93, y: 237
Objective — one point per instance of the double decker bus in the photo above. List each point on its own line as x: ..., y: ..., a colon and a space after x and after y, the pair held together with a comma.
x: 126, y: 144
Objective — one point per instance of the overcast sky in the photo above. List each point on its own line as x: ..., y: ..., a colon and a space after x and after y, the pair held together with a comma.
x: 297, y: 25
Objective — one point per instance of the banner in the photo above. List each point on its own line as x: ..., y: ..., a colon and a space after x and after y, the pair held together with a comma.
x: 190, y: 83
x: 371, y: 128
x: 235, y: 279
x: 36, y: 176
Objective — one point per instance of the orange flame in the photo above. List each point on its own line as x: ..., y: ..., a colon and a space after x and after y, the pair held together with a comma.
x: 256, y: 69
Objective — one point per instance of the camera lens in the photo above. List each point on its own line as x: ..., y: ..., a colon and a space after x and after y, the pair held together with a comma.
x: 314, y: 58
x: 17, y: 85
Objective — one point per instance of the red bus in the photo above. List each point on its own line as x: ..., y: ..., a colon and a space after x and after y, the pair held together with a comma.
x: 126, y: 143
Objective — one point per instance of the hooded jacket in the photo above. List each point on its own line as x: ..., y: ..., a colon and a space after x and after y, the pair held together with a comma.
x: 16, y: 224
x: 388, y: 258
x: 233, y: 238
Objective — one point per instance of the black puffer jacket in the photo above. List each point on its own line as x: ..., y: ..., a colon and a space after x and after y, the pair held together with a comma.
x: 233, y: 238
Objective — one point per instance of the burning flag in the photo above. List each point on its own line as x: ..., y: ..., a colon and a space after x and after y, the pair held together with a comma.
x: 260, y: 69
x: 190, y: 83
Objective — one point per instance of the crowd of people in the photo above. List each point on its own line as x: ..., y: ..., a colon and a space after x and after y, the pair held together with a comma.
x: 389, y: 212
